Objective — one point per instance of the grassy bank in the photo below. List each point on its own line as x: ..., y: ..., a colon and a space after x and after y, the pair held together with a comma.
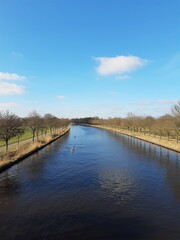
x: 169, y: 144
x: 26, y: 135
x: 24, y: 150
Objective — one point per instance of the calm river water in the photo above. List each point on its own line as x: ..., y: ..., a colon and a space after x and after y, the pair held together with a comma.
x: 93, y: 184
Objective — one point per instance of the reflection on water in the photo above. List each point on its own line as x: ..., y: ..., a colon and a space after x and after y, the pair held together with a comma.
x: 111, y: 187
x: 166, y: 159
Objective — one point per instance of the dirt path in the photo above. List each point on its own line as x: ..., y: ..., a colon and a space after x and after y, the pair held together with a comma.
x: 14, y: 146
x: 24, y: 151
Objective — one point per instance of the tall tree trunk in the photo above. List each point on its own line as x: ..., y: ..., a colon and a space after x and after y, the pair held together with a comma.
x: 6, y: 145
x: 33, y: 135
x: 18, y: 142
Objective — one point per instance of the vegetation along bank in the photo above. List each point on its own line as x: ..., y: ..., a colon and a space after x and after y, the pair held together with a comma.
x: 41, y: 131
x: 163, y: 131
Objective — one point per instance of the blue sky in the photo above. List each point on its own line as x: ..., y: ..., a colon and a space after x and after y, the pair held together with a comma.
x: 77, y: 58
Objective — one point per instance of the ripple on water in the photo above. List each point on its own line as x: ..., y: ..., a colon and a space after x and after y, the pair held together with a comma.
x: 110, y: 187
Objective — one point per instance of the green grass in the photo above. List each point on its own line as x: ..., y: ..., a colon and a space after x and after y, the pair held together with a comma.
x: 26, y: 135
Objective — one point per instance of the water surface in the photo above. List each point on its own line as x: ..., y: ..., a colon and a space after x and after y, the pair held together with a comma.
x: 93, y: 184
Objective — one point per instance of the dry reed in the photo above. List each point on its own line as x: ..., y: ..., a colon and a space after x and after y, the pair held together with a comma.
x: 24, y: 148
x: 170, y: 144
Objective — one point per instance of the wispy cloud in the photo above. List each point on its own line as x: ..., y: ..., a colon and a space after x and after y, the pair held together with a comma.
x: 155, y: 107
x: 113, y: 93
x: 156, y: 102
x: 11, y: 76
x: 61, y: 97
x: 7, y: 105
x: 123, y: 76
x: 144, y: 103
x: 167, y: 101
x: 17, y: 55
x: 119, y: 65
x: 11, y: 88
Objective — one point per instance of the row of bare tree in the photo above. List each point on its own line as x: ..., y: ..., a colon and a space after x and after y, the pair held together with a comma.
x: 165, y: 126
x: 13, y: 126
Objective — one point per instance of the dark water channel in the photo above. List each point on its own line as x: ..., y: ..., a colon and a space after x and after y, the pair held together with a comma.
x: 108, y: 187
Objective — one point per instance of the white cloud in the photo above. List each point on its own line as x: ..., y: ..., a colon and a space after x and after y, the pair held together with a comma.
x: 61, y: 97
x: 10, y: 88
x: 119, y: 64
x: 11, y: 76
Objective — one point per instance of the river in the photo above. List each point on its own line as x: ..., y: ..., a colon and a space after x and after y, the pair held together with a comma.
x: 92, y: 184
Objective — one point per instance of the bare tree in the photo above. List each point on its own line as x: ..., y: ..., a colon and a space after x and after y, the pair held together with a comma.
x: 176, y: 110
x: 10, y: 126
x: 166, y: 124
x: 176, y: 120
x: 50, y: 121
x: 149, y: 121
x: 33, y: 121
x: 19, y: 135
x: 129, y: 121
x: 176, y: 128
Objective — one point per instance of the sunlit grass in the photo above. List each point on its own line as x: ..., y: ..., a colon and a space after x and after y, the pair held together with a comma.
x: 164, y: 142
x: 24, y: 148
x: 26, y: 135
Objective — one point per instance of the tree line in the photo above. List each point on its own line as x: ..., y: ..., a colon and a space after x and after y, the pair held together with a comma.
x: 13, y: 126
x: 167, y: 125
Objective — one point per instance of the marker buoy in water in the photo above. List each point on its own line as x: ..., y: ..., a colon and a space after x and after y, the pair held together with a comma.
x: 72, y: 149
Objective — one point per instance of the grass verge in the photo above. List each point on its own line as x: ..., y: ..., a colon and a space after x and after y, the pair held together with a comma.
x: 26, y: 135
x: 169, y: 144
x: 12, y: 157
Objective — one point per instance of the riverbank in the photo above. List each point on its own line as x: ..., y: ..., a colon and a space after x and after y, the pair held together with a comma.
x: 169, y: 144
x: 25, y: 150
